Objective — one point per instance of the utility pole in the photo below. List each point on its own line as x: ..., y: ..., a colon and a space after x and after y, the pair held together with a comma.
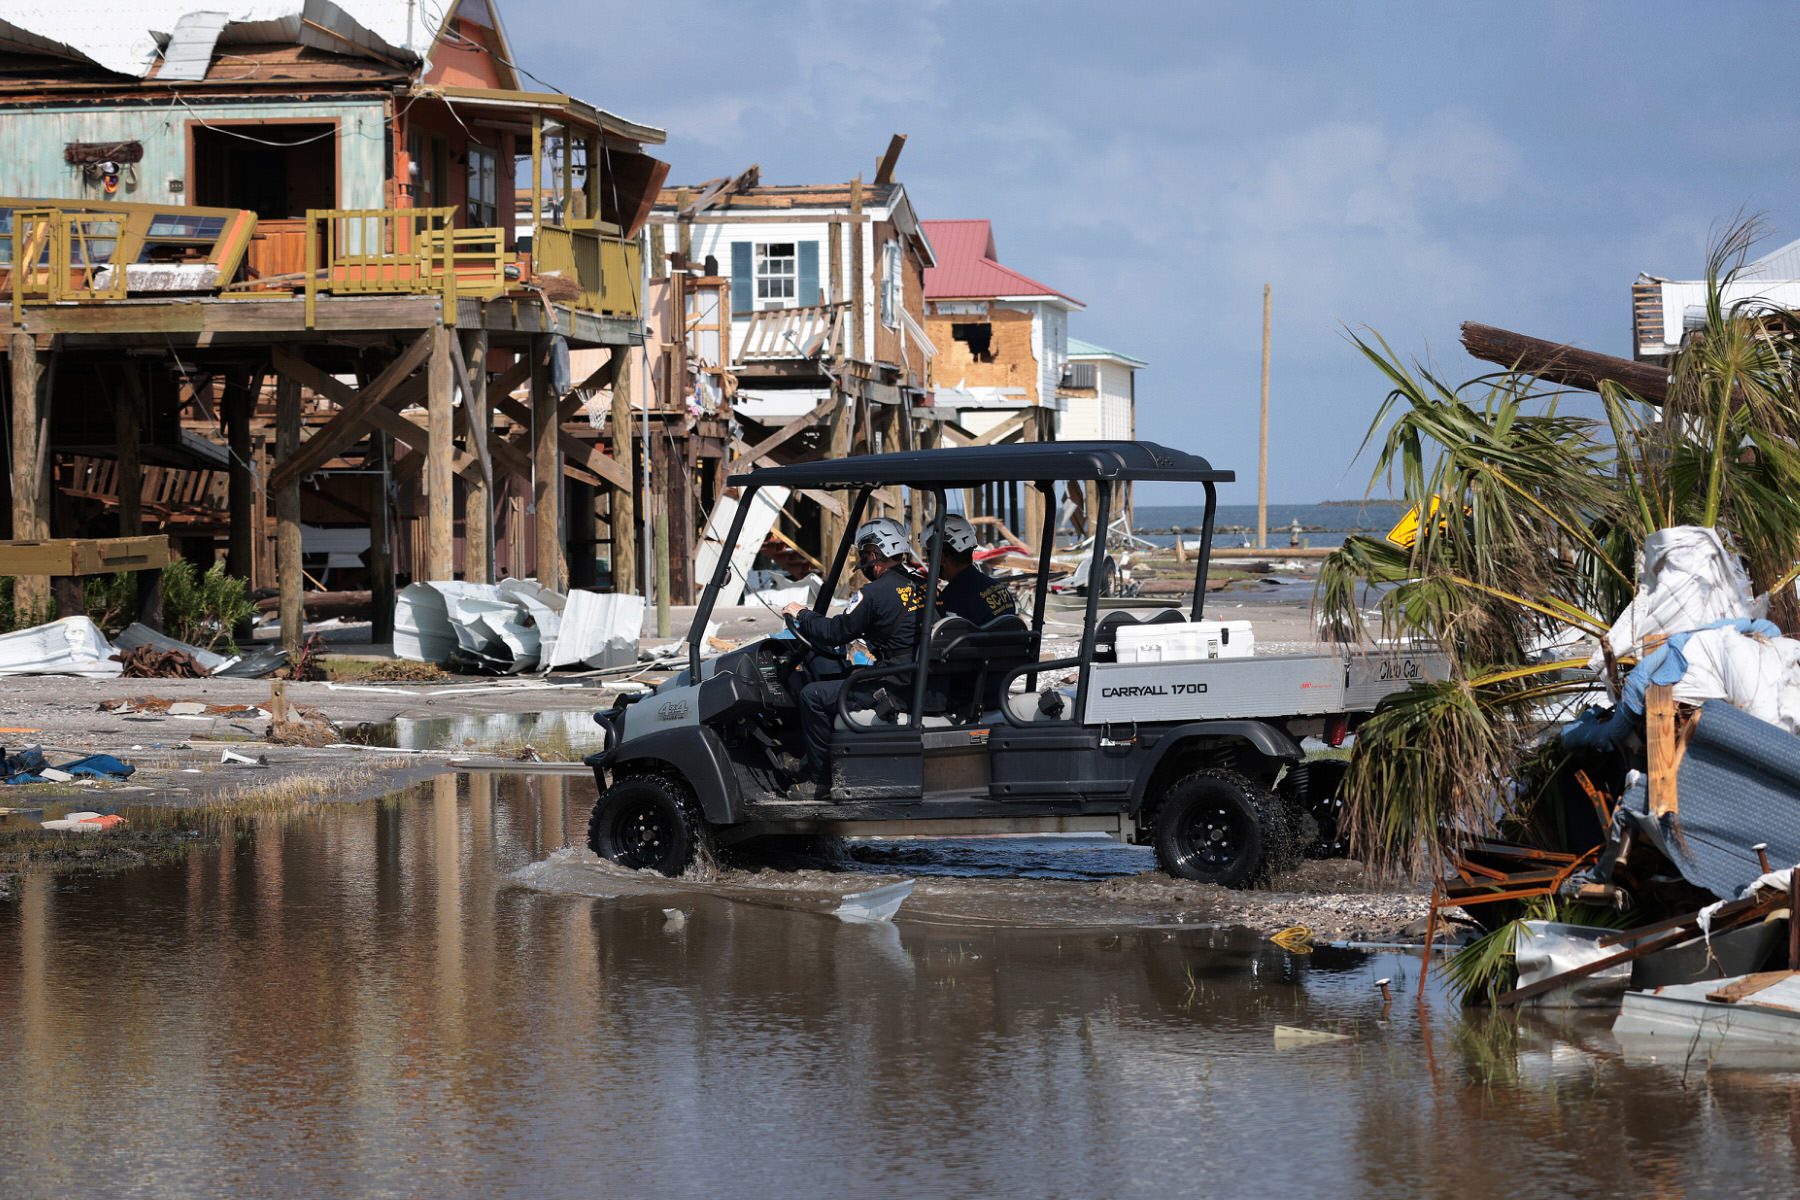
x: 1262, y: 453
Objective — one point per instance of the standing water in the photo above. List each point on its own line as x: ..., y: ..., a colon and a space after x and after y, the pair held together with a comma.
x: 366, y: 1000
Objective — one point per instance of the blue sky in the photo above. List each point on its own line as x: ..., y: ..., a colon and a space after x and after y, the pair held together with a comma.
x: 1400, y: 167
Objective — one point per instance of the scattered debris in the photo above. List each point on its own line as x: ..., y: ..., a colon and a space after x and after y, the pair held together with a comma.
x: 229, y: 756
x: 876, y: 904
x: 71, y: 646
x: 85, y: 822
x: 149, y: 662
x: 1289, y: 1036
x: 138, y: 635
x: 514, y: 626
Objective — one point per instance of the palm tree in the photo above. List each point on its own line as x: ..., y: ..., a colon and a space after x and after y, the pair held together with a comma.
x: 1531, y: 523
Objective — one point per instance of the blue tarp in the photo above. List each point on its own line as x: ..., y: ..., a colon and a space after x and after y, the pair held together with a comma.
x: 1739, y: 784
x: 23, y: 766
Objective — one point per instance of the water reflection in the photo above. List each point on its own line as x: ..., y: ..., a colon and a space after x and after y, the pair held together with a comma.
x: 359, y: 1001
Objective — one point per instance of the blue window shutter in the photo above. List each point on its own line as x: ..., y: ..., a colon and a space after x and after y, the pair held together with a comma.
x: 743, y: 286
x: 808, y: 294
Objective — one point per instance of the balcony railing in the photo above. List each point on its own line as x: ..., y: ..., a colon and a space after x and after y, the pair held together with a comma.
x: 401, y: 251
x: 606, y: 268
x: 775, y: 333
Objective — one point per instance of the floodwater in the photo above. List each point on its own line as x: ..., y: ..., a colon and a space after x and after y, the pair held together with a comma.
x: 367, y: 1001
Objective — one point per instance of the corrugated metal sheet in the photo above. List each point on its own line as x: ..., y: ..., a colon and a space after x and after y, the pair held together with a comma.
x: 966, y: 267
x: 190, y: 50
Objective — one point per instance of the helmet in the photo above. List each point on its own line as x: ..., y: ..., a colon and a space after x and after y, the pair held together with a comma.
x: 959, y: 535
x: 885, y: 536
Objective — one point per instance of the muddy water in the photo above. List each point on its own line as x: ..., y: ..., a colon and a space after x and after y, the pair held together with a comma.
x: 367, y: 1001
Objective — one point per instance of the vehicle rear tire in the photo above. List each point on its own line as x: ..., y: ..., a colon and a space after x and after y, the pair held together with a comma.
x: 646, y: 822
x: 1325, y: 808
x: 1216, y: 826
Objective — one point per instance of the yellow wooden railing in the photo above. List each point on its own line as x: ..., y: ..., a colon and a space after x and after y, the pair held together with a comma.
x: 401, y: 251
x: 84, y: 251
x: 592, y: 255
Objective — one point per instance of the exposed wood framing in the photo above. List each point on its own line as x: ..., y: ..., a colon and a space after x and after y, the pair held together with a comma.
x: 290, y: 572
x: 440, y: 469
x: 478, y: 489
x: 347, y: 426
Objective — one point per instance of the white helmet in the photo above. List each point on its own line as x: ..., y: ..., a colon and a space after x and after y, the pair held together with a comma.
x: 885, y: 536
x: 959, y: 535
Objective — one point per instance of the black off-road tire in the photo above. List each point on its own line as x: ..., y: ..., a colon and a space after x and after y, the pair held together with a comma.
x: 1217, y: 826
x: 1323, y: 810
x: 647, y: 822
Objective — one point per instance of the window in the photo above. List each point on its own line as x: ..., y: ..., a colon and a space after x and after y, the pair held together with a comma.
x: 978, y: 336
x: 484, y: 182
x: 892, y: 285
x: 777, y: 274
x: 174, y: 236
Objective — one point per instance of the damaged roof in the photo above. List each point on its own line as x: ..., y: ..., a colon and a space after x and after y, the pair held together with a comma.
x: 127, y: 37
x: 967, y: 268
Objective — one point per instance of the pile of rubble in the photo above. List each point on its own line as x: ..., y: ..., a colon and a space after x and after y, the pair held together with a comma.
x: 1693, y: 781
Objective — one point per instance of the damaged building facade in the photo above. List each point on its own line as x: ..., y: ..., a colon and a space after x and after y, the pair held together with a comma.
x: 266, y: 293
x: 805, y: 322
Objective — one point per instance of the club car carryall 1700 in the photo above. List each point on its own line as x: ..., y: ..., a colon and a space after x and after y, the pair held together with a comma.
x: 1198, y: 757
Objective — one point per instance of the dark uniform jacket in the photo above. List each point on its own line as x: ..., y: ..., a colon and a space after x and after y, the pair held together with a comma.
x: 976, y: 597
x: 887, y: 618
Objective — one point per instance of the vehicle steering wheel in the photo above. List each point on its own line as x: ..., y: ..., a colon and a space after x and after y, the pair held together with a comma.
x: 817, y: 647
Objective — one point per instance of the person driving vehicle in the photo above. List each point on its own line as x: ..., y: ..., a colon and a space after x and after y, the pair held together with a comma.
x: 969, y: 592
x: 887, y: 619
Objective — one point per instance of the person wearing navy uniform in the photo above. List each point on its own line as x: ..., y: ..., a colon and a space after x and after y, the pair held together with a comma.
x: 886, y: 619
x: 969, y: 592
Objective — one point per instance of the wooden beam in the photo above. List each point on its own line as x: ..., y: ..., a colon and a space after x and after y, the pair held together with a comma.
x: 855, y: 290
x: 128, y: 410
x: 347, y: 425
x: 1005, y: 430
x: 799, y: 425
x: 478, y: 486
x: 30, y: 503
x: 623, y: 521
x: 1555, y: 362
x: 884, y: 167
x: 290, y: 572
x: 547, y: 483
x: 381, y: 546
x: 473, y: 393
x: 240, y: 406
x: 440, y: 470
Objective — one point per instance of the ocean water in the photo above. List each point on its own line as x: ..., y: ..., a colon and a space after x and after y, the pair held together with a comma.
x: 1320, y: 524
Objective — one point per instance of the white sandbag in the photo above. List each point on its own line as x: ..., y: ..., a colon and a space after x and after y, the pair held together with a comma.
x: 1689, y: 579
x: 71, y: 646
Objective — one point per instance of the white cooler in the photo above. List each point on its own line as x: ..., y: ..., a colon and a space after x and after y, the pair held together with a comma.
x: 1184, y: 642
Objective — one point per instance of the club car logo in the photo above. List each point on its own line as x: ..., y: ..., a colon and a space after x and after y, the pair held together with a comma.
x: 1125, y: 691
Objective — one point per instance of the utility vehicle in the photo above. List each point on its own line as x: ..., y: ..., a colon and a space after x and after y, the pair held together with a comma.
x: 1199, y: 757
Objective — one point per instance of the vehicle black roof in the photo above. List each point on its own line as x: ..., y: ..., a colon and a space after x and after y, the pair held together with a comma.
x: 1023, y: 461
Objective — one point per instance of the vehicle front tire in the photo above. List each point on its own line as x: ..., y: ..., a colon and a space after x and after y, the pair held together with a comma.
x: 1217, y: 826
x: 646, y: 822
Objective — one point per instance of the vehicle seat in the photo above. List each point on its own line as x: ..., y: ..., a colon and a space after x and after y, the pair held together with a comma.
x: 1032, y: 706
x: 969, y: 662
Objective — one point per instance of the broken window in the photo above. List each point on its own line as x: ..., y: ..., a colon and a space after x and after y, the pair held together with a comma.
x: 484, y: 183
x: 978, y: 336
x: 891, y: 285
x: 777, y: 274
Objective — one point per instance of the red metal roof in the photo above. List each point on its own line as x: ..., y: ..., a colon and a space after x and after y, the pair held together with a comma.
x: 966, y: 269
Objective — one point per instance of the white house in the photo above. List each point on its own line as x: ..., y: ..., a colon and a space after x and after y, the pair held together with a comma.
x: 1663, y: 311
x: 1098, y: 394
